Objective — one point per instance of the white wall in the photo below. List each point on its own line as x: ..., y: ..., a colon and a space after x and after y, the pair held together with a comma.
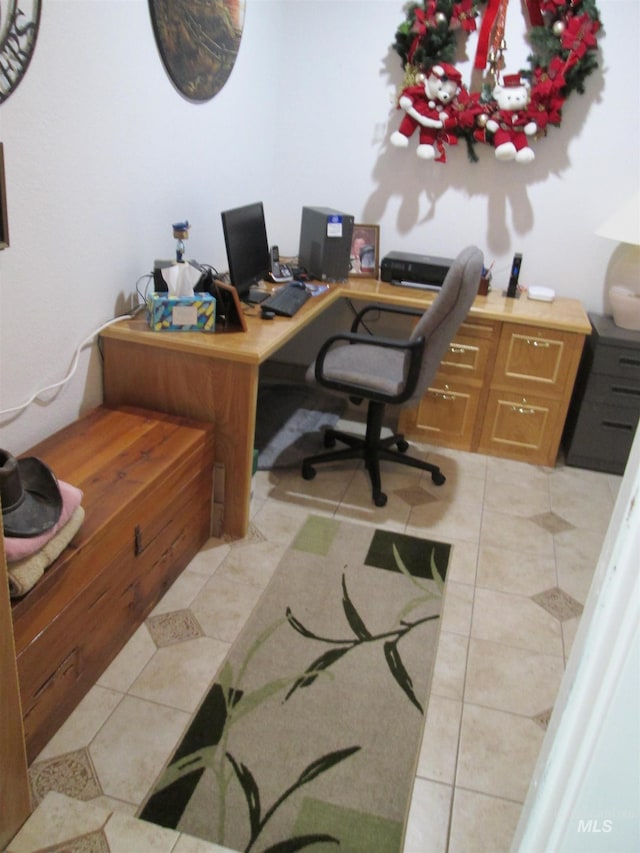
x: 584, y: 796
x: 102, y: 155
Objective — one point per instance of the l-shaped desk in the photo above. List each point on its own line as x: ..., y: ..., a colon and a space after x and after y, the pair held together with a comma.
x: 214, y: 377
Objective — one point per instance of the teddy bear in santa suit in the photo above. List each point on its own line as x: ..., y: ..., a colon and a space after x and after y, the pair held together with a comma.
x: 512, y: 124
x: 424, y: 107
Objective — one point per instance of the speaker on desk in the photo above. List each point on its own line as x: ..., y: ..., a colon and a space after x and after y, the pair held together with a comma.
x: 325, y: 243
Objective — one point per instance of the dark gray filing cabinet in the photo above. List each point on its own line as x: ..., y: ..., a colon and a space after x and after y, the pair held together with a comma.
x: 605, y: 406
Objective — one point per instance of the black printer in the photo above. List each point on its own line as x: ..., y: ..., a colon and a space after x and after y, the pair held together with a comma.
x: 421, y: 271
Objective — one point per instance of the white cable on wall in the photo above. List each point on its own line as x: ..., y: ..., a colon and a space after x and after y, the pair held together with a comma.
x: 71, y: 371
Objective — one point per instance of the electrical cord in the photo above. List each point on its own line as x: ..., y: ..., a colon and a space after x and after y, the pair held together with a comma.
x: 149, y: 278
x: 143, y: 294
x: 72, y: 369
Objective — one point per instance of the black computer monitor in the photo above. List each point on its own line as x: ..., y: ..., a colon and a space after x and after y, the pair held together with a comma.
x: 245, y: 238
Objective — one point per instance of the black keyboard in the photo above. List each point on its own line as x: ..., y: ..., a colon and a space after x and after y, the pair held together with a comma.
x: 287, y: 300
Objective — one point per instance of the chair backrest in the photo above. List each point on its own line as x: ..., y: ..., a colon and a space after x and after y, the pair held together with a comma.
x: 441, y: 320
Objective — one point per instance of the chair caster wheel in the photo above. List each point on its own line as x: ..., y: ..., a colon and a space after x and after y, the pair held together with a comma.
x: 402, y: 446
x: 438, y: 478
x: 308, y: 473
x: 379, y: 498
x: 329, y: 440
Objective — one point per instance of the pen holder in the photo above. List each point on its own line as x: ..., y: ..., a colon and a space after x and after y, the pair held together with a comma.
x: 485, y: 285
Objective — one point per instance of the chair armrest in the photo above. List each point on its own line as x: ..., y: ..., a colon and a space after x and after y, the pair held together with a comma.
x: 384, y: 309
x: 413, y: 348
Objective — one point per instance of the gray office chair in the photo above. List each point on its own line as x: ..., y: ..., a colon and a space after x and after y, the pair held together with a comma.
x: 386, y: 371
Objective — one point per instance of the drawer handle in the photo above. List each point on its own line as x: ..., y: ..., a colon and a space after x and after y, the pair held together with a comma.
x: 522, y: 410
x: 630, y: 392
x: 537, y: 343
x: 618, y: 425
x: 456, y: 348
x: 443, y: 396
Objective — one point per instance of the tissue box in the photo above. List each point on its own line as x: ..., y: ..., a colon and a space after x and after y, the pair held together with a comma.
x: 182, y: 313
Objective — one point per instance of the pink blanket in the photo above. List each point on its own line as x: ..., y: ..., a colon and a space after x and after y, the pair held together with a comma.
x: 17, y: 548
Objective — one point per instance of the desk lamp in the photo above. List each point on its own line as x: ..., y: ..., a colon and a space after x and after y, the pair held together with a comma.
x: 624, y: 227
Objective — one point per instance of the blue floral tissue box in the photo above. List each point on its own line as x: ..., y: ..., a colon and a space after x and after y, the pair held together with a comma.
x: 181, y: 313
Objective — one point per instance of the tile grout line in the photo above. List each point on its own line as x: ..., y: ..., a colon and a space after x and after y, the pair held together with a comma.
x: 454, y: 785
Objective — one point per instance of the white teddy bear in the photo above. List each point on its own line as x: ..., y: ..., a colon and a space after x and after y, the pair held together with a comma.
x: 512, y: 124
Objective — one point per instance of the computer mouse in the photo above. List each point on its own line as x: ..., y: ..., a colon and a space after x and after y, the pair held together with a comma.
x: 268, y: 315
x: 299, y: 284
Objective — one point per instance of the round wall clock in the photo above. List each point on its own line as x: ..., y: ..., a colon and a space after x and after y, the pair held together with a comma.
x: 198, y: 42
x: 18, y: 33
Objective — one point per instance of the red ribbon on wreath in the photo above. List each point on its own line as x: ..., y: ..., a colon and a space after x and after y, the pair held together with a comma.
x: 492, y: 29
x: 535, y: 15
x: 486, y: 31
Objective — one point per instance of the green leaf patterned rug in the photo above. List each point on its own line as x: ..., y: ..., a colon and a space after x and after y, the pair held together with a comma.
x: 309, y: 737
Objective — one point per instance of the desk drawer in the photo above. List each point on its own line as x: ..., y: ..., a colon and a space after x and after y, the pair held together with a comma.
x: 602, y: 437
x: 613, y: 391
x: 534, y: 360
x: 621, y: 362
x: 446, y: 414
x: 520, y: 427
x: 470, y: 351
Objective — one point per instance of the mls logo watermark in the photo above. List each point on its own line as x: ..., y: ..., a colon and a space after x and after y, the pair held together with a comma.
x: 594, y: 825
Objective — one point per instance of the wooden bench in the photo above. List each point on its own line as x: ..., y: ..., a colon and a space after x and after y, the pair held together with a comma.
x: 147, y: 480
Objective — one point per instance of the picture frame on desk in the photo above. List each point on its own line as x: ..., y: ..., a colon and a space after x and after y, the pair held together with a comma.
x: 364, y: 259
x: 229, y: 314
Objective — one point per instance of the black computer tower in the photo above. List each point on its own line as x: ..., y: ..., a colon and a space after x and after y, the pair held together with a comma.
x: 325, y: 243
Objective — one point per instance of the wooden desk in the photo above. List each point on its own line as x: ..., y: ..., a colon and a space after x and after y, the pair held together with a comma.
x: 214, y: 377
x: 208, y: 377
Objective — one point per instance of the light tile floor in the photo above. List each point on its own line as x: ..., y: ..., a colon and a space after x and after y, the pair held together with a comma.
x: 526, y: 541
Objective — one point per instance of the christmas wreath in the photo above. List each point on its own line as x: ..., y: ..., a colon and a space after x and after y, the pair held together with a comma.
x: 507, y: 113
